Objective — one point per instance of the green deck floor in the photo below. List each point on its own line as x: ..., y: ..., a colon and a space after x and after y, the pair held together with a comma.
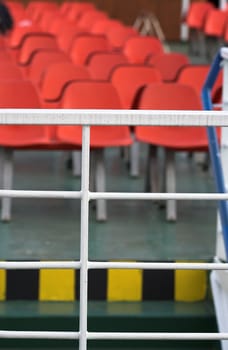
x: 50, y: 229
x: 110, y: 317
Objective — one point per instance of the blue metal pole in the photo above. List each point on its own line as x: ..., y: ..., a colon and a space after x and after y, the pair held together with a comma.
x: 214, y: 147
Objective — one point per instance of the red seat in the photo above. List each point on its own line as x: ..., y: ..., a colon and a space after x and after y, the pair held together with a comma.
x: 57, y: 25
x: 46, y: 19
x: 215, y: 23
x: 138, y: 48
x: 87, y: 20
x: 76, y: 10
x: 195, y: 21
x: 128, y: 79
x: 40, y: 61
x: 195, y: 75
x: 101, y: 64
x: 56, y: 77
x: 197, y: 14
x: 166, y: 96
x: 94, y: 95
x: 118, y: 36
x: 84, y: 45
x: 32, y: 43
x: 5, y: 56
x: 102, y: 26
x: 19, y: 35
x: 10, y: 70
x: 168, y: 64
x: 21, y: 93
x: 65, y: 38
x: 35, y: 9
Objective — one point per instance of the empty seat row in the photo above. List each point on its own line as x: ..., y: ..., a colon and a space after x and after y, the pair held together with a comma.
x: 97, y: 77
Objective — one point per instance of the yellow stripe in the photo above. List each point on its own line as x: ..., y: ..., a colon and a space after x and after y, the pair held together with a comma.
x: 124, y: 285
x: 2, y: 285
x: 57, y: 285
x: 190, y: 285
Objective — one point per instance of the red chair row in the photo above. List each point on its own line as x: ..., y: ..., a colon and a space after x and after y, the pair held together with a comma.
x: 67, y: 79
x: 205, y: 23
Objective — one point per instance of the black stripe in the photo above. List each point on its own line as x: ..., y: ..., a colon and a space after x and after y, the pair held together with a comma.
x: 22, y: 284
x: 97, y: 284
x: 158, y: 285
x: 97, y: 288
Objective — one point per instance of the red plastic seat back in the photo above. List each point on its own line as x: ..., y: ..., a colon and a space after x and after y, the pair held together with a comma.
x: 215, y: 23
x: 19, y: 33
x: 138, y: 48
x: 166, y: 96
x: 84, y: 45
x: 76, y: 10
x: 57, y: 76
x: 65, y: 38
x: 57, y: 25
x: 33, y: 43
x: 40, y: 62
x: 197, y: 14
x: 93, y: 95
x: 118, y: 36
x: 100, y: 64
x: 21, y: 94
x: 9, y: 71
x: 102, y: 26
x: 88, y: 19
x: 169, y: 64
x: 127, y: 79
x: 18, y: 93
x: 47, y: 18
x: 195, y: 75
x: 35, y: 9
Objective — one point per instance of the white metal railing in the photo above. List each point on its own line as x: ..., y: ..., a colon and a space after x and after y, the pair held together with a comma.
x: 104, y: 117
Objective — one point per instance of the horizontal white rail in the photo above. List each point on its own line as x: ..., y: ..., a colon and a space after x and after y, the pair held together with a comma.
x: 112, y: 117
x: 112, y: 336
x: 112, y: 195
x: 38, y: 335
x: 157, y: 266
x: 157, y: 336
x: 156, y: 196
x: 29, y: 265
x: 40, y: 194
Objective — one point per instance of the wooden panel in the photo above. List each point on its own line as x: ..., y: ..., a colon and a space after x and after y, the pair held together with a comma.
x: 168, y: 12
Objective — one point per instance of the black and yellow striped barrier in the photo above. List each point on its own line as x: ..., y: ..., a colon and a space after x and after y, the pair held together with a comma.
x: 110, y: 285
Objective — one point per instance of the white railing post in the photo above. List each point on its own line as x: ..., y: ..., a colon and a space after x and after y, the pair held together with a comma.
x: 84, y: 238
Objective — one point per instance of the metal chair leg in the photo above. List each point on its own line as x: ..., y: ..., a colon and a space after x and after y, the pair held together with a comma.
x: 76, y: 163
x: 171, y: 210
x: 7, y: 179
x: 100, y: 183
